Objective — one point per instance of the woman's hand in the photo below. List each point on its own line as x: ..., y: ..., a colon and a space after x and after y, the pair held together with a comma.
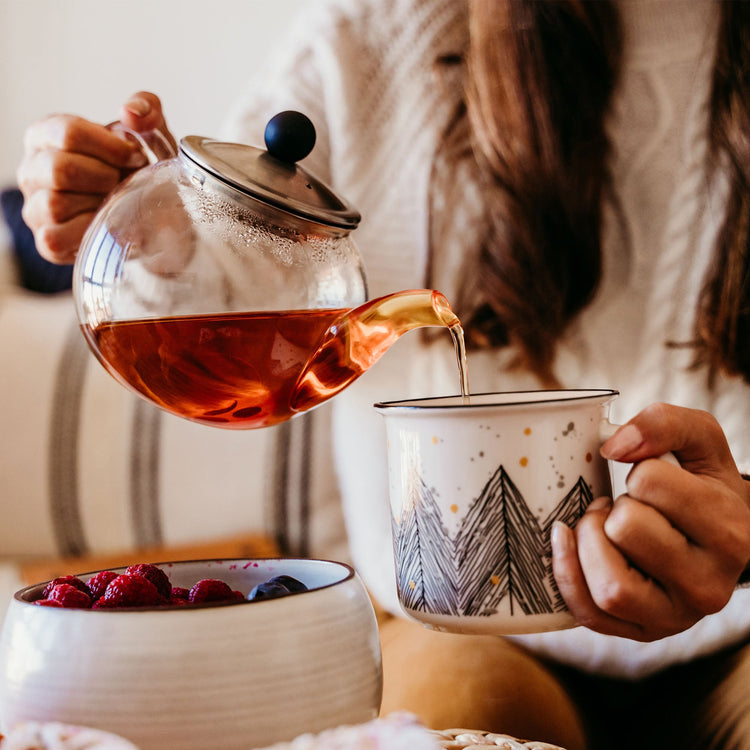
x: 671, y: 550
x: 69, y: 167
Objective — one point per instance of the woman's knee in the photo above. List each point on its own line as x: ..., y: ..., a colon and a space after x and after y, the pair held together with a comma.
x: 475, y: 682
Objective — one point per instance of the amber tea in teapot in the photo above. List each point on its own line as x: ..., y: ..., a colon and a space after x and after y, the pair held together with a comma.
x: 229, y: 370
x: 247, y: 370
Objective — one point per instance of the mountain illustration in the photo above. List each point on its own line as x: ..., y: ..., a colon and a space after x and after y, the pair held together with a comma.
x: 426, y: 572
x: 500, y: 551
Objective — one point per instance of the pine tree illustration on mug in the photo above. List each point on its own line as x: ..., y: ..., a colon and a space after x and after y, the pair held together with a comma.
x: 500, y: 550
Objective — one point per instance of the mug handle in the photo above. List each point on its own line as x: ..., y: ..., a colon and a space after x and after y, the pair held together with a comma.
x: 607, y: 429
x: 154, y: 144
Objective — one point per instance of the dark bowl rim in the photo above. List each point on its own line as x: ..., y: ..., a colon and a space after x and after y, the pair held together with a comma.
x: 350, y: 574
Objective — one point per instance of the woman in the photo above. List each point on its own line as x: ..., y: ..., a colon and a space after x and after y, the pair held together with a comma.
x: 574, y: 176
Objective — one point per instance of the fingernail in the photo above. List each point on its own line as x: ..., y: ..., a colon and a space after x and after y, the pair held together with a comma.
x: 626, y: 440
x: 561, y: 538
x: 138, y: 106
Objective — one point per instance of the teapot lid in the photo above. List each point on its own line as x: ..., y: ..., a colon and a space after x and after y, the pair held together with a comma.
x: 272, y: 177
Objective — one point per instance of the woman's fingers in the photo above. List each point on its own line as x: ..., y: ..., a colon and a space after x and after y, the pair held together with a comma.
x: 77, y: 135
x: 60, y: 242
x: 572, y: 585
x: 62, y: 192
x: 70, y: 164
x: 604, y: 590
x: 56, y: 207
x: 52, y: 169
x: 670, y: 550
x: 704, y: 499
x: 703, y: 508
x: 647, y: 539
x: 697, y: 580
x: 694, y: 436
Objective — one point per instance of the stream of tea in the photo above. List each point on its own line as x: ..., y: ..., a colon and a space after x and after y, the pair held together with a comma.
x: 248, y: 370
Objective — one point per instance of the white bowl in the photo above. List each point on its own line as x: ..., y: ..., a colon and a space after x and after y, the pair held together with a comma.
x: 226, y: 677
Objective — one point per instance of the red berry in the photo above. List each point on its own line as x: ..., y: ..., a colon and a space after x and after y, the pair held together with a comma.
x: 101, y: 603
x: 210, y: 590
x: 132, y: 591
x: 154, y: 574
x: 70, y: 580
x: 142, y: 585
x: 70, y: 597
x: 98, y: 583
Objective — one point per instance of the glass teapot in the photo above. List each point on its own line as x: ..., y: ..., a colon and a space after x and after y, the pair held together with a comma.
x: 222, y: 284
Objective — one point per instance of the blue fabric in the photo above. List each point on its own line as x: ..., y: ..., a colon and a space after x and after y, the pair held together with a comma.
x: 37, y: 274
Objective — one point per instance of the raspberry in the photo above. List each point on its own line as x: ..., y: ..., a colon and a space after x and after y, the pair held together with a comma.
x: 71, y: 580
x: 147, y: 585
x: 210, y: 590
x: 70, y: 597
x: 98, y: 583
x: 154, y: 574
x: 101, y: 603
x: 131, y: 591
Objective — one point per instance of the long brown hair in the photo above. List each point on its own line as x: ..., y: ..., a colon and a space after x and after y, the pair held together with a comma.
x: 539, y: 83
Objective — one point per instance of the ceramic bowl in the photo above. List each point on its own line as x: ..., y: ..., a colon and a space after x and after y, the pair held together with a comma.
x: 227, y: 677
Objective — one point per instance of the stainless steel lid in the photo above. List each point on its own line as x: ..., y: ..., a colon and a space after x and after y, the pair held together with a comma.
x: 282, y: 184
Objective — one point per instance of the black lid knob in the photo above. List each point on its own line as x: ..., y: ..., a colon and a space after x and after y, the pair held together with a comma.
x: 290, y: 136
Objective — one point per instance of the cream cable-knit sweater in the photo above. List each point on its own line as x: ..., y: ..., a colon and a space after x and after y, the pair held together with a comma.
x: 363, y: 71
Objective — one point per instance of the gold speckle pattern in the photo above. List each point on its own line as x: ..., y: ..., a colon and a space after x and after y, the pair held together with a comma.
x: 435, y: 440
x: 495, y: 580
x: 524, y: 461
x: 527, y: 431
x: 454, y: 508
x: 412, y: 585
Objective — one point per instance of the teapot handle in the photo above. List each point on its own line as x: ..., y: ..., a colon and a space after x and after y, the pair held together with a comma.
x: 154, y: 144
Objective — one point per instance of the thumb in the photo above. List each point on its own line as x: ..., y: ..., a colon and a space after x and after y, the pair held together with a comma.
x: 142, y: 112
x: 694, y: 436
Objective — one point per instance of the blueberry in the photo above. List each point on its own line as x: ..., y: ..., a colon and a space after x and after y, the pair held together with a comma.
x: 290, y: 136
x: 291, y: 583
x: 267, y: 590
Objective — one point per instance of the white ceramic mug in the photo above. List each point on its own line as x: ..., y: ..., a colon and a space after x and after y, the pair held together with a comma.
x: 475, y: 485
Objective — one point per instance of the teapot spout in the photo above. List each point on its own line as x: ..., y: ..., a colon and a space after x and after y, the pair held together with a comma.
x: 358, y: 338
